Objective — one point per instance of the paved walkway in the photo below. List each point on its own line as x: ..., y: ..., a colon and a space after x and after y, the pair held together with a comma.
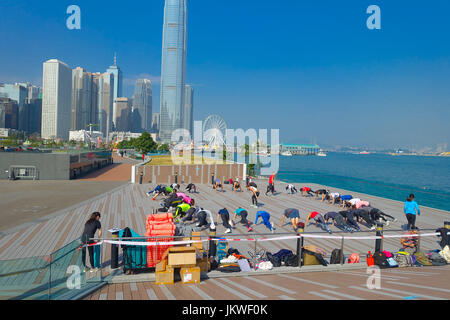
x: 120, y: 170
x: 426, y: 283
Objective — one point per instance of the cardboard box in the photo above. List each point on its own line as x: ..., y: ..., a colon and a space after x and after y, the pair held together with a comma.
x: 161, y: 266
x: 179, y: 256
x: 197, y: 235
x: 165, y: 277
x: 190, y: 275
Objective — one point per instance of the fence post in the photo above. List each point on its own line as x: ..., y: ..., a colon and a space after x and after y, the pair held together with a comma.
x: 342, y: 257
x: 176, y: 176
x: 50, y: 279
x: 115, y: 252
x: 211, y: 249
x: 379, y: 242
x: 212, y: 178
x: 254, y: 256
x: 299, y: 246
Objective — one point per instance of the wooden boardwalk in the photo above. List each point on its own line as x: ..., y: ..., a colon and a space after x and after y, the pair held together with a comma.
x: 396, y: 284
x: 128, y: 206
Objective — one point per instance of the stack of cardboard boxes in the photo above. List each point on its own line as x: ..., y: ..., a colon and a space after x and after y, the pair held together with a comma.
x: 190, y: 259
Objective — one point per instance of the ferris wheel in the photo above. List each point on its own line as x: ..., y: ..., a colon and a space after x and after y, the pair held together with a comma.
x: 214, y: 129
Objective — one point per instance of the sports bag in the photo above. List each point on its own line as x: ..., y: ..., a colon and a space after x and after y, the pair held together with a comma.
x: 291, y: 261
x: 276, y: 262
x: 369, y: 259
x: 436, y: 259
x: 392, y: 263
x: 422, y: 259
x: 336, y: 255
x: 404, y: 259
x: 380, y: 259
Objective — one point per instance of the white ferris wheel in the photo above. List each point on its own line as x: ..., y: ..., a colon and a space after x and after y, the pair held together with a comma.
x: 214, y: 129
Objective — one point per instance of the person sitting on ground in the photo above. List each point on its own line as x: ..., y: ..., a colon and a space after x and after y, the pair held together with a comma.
x: 255, y: 195
x: 305, y: 191
x: 265, y: 216
x: 320, y: 192
x: 243, y: 214
x: 318, y: 218
x: 217, y: 184
x: 338, y: 220
x: 291, y: 188
x: 293, y: 215
x: 226, y: 221
x: 204, y: 218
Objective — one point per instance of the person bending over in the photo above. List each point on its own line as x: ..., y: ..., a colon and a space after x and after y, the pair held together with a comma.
x: 191, y: 212
x: 191, y: 187
x: 321, y: 192
x: 343, y: 199
x: 181, y: 210
x: 243, y: 214
x: 338, y: 221
x: 318, y: 218
x: 217, y: 184
x: 155, y: 192
x: 255, y: 195
x: 226, y: 221
x: 293, y: 215
x: 205, y: 218
x: 377, y: 214
x: 236, y: 186
x: 305, y: 191
x: 364, y: 214
x: 291, y: 188
x: 333, y: 197
x: 265, y: 216
x: 350, y: 219
x: 175, y: 186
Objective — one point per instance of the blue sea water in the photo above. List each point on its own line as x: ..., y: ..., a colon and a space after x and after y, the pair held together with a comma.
x: 387, y: 176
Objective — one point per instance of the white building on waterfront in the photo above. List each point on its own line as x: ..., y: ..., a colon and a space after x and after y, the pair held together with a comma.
x: 56, y: 100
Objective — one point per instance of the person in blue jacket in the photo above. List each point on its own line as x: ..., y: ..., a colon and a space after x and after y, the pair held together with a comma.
x: 411, y: 209
x: 266, y: 219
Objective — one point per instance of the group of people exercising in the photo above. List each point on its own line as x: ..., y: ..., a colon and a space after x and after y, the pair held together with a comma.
x: 354, y: 210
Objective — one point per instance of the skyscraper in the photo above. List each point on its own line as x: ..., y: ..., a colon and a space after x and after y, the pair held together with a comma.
x: 56, y: 100
x: 142, y: 104
x: 117, y: 73
x: 173, y: 68
x: 81, y: 99
x: 189, y: 109
x: 155, y: 123
x: 105, y: 103
x: 123, y: 112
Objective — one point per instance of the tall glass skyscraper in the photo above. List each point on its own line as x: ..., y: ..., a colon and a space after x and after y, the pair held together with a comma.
x: 173, y: 68
x: 142, y: 104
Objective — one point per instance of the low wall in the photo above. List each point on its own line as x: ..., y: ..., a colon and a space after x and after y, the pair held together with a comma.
x: 193, y: 173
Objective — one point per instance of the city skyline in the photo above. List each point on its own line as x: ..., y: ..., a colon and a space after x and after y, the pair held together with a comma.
x: 390, y: 78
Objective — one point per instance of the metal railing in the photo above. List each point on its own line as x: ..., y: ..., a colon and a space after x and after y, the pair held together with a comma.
x: 60, y: 275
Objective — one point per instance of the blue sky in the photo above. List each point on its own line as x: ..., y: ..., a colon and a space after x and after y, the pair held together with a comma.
x: 310, y: 68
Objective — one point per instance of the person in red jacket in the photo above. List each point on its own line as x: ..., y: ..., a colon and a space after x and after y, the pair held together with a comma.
x: 271, y: 186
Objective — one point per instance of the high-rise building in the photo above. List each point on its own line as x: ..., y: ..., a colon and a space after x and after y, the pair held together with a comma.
x: 117, y: 73
x: 189, y: 109
x: 9, y: 113
x: 155, y: 122
x: 105, y: 103
x: 173, y: 68
x: 142, y: 105
x: 56, y: 100
x: 81, y: 99
x: 123, y: 114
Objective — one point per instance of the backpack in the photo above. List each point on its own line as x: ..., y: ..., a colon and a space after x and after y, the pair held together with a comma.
x: 379, y: 258
x: 354, y: 258
x: 336, y: 255
x: 291, y: 261
x: 404, y: 259
x: 436, y: 259
x: 276, y: 262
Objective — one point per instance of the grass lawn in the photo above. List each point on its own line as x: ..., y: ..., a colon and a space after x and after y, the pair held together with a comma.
x: 166, y: 160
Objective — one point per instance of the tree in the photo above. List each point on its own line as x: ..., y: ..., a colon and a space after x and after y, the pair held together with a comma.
x: 163, y: 148
x: 145, y: 143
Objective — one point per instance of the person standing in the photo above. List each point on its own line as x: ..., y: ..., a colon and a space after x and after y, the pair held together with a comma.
x: 411, y: 209
x: 90, y: 227
x: 271, y: 186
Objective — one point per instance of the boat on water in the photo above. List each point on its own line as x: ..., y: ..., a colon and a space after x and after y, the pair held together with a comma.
x: 364, y: 152
x: 321, y: 154
x: 286, y: 153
